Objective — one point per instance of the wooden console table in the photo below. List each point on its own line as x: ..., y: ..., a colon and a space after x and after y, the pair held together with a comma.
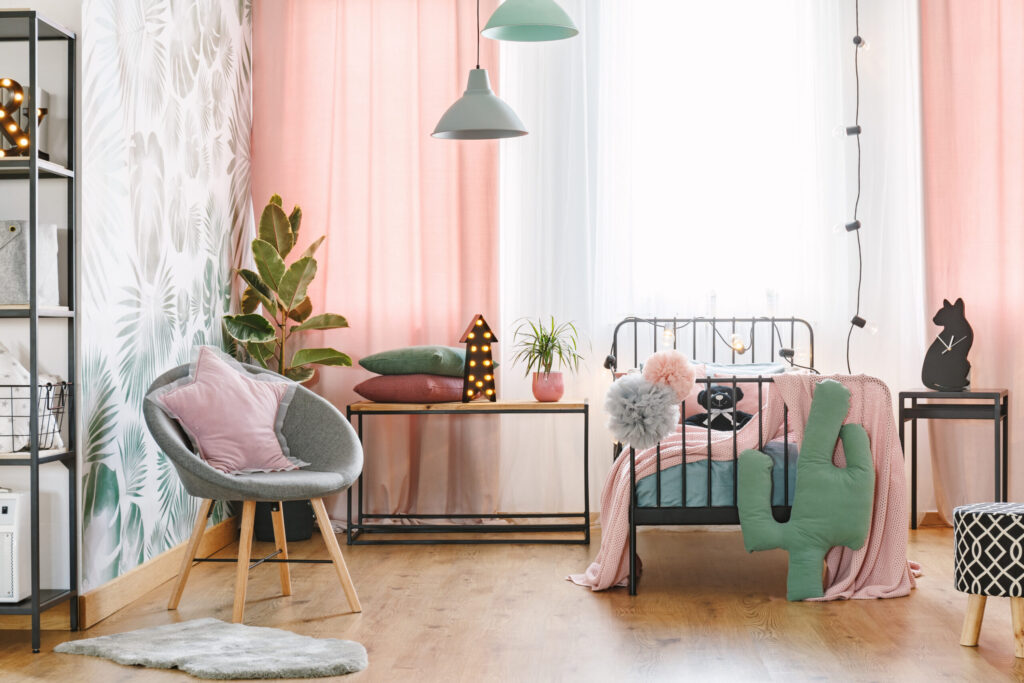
x: 977, y: 404
x: 359, y: 527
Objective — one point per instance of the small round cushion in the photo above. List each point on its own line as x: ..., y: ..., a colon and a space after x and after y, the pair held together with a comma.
x: 989, y: 555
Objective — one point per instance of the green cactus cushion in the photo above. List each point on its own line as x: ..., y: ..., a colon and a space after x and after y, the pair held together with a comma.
x: 832, y: 505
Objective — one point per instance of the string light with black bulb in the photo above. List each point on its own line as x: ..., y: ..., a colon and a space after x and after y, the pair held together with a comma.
x: 854, y: 225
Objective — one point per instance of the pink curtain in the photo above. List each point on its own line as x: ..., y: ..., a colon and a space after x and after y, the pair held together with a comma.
x: 972, y: 56
x: 345, y: 95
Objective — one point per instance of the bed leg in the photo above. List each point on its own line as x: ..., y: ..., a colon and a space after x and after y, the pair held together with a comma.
x: 632, y: 558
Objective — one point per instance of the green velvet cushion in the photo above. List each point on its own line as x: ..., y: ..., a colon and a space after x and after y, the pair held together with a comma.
x: 412, y: 360
x: 832, y: 505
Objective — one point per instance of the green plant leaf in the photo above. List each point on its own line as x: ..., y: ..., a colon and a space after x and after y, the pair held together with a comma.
x: 250, y: 300
x: 325, y: 356
x: 295, y: 281
x: 269, y: 263
x: 260, y: 288
x: 295, y: 219
x: 301, y: 312
x: 276, y: 230
x: 299, y: 374
x: 311, y: 249
x: 275, y: 199
x: 262, y: 352
x: 250, y: 327
x: 324, y: 321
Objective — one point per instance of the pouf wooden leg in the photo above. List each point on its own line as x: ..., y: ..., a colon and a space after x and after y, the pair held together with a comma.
x: 1017, y: 611
x: 972, y: 620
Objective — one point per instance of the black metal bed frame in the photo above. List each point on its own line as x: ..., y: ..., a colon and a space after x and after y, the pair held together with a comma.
x: 705, y: 336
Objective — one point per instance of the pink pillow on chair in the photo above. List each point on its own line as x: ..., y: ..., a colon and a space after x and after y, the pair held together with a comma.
x: 233, y: 417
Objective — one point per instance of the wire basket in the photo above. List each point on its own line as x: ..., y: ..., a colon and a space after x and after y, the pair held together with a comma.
x: 15, y: 416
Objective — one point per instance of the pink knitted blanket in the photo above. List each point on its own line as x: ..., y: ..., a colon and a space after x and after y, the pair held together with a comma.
x: 878, y: 570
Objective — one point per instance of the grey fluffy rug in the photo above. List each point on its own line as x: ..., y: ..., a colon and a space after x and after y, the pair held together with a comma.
x: 211, y: 648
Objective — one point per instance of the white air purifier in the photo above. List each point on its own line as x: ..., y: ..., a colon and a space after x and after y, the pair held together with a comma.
x: 15, y: 568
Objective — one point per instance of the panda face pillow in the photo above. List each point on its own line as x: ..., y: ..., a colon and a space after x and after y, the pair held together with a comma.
x: 720, y: 409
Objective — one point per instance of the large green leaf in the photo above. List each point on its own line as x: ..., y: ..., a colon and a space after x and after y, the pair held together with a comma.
x: 295, y: 281
x: 102, y: 521
x: 324, y: 321
x: 311, y: 249
x: 302, y: 311
x: 276, y: 230
x: 276, y: 200
x: 250, y: 300
x: 262, y: 291
x: 299, y: 374
x: 326, y: 356
x: 269, y: 263
x: 250, y: 327
x: 261, y: 352
x: 295, y: 219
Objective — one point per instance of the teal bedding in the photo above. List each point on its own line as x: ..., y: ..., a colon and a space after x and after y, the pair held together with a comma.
x: 722, y: 477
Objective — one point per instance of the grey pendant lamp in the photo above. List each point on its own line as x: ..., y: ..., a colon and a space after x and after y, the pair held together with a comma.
x: 479, y: 114
x: 530, y: 21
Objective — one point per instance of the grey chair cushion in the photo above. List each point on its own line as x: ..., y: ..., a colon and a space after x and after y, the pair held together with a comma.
x: 316, y: 432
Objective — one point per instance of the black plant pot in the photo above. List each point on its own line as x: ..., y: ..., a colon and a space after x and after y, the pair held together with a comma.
x: 298, y: 521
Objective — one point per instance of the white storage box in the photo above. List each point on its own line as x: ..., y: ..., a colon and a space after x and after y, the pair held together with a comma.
x: 14, y: 264
x: 15, y: 561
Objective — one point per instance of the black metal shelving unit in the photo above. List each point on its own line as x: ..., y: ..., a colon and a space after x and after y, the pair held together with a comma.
x: 30, y: 28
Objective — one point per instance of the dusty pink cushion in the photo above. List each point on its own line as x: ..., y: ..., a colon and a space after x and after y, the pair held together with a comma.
x: 411, y: 389
x: 231, y: 417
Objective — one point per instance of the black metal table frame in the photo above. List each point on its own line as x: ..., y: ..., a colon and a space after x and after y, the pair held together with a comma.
x: 997, y: 411
x: 354, y: 531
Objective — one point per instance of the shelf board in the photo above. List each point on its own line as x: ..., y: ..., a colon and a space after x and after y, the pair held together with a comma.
x: 18, y: 168
x: 14, y: 26
x: 48, y: 597
x: 44, y: 312
x: 23, y: 458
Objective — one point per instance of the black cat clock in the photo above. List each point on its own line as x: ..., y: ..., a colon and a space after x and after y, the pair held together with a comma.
x: 945, y: 365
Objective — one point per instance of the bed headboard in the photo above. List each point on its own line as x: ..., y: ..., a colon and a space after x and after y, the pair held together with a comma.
x: 709, y: 340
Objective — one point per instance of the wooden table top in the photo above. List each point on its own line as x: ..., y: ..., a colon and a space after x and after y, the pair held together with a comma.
x: 523, y: 406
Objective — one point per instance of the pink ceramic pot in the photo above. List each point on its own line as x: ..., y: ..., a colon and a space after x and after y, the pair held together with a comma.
x: 548, y: 387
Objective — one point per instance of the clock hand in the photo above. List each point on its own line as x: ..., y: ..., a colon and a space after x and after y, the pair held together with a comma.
x: 954, y: 343
x: 943, y: 341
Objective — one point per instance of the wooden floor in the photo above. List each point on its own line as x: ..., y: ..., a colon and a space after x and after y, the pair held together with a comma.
x: 706, y: 611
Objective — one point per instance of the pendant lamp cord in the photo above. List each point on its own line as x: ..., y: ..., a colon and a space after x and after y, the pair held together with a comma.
x: 477, y: 34
x: 857, y: 42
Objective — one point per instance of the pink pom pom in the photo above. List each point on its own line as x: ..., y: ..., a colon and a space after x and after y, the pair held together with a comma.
x: 671, y: 368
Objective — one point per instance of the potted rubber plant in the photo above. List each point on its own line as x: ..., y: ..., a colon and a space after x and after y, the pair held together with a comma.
x: 539, y: 347
x: 280, y: 288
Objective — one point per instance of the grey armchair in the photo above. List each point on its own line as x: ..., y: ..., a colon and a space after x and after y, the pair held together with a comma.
x: 316, y: 432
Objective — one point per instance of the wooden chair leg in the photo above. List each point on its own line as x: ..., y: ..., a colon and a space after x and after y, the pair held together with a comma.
x: 1017, y: 612
x: 281, y: 541
x: 335, y: 552
x: 190, y: 552
x: 244, y: 553
x: 972, y: 620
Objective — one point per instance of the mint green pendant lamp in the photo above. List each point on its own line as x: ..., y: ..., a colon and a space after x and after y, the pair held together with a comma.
x: 530, y: 21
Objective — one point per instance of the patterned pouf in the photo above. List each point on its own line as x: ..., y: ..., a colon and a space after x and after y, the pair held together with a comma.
x: 989, y: 562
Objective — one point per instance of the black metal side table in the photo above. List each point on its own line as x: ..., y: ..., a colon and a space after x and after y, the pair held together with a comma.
x: 360, y: 526
x: 977, y: 404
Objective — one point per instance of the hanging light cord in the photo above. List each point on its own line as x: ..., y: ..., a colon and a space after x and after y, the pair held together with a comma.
x: 477, y: 34
x: 857, y: 42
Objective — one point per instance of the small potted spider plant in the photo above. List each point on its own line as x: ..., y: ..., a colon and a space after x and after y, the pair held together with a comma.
x: 539, y: 346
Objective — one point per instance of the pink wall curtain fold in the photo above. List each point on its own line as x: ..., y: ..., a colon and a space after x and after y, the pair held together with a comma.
x: 345, y: 95
x: 972, y: 56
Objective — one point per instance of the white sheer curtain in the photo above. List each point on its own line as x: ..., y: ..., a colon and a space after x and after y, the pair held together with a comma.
x: 681, y: 161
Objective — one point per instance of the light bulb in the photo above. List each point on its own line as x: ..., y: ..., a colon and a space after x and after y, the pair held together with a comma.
x: 480, y: 384
x: 469, y: 392
x: 488, y: 377
x: 843, y: 131
x: 487, y: 335
x: 6, y: 82
x: 471, y: 378
x: 485, y: 347
x: 2, y: 154
x: 479, y: 323
x: 487, y: 362
x: 12, y: 127
x: 23, y: 142
x: 471, y: 335
x: 17, y: 97
x: 737, y: 344
x: 490, y: 392
x: 472, y: 363
x: 472, y: 348
x: 2, y: 113
x: 843, y: 228
x: 668, y: 336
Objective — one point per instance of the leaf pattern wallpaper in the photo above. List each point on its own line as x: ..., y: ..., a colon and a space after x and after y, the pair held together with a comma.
x: 166, y: 208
